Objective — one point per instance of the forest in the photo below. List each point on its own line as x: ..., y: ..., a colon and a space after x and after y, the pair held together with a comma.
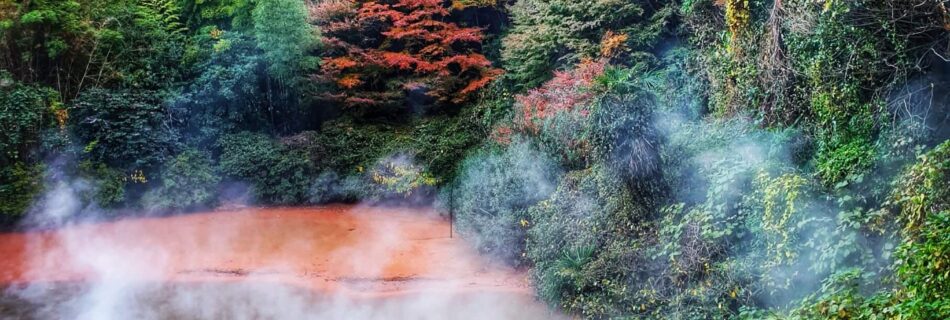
x: 644, y: 159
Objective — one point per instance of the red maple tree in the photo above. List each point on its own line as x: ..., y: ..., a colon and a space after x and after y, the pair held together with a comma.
x: 387, y: 53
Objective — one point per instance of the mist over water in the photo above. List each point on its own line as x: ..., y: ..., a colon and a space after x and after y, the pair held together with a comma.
x: 335, y: 262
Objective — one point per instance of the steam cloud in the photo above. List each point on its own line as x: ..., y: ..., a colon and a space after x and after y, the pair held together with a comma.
x: 123, y: 270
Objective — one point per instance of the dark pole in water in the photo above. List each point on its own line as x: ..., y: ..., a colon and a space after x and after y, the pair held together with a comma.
x: 451, y: 212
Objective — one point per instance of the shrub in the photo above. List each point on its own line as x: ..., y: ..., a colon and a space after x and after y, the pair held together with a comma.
x: 278, y: 175
x: 924, y: 270
x: 623, y: 136
x: 330, y: 187
x: 924, y: 189
x: 105, y: 186
x: 398, y: 178
x: 127, y: 130
x: 583, y: 243
x: 27, y: 112
x: 188, y: 181
x: 493, y: 192
x: 19, y: 185
x: 556, y: 113
x: 840, y: 297
x: 348, y: 147
x: 923, y: 265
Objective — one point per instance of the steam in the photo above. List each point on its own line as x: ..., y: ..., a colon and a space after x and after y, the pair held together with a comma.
x: 192, y: 267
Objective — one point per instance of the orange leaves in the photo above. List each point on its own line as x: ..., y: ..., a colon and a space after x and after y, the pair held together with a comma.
x: 340, y: 63
x: 455, y: 35
x: 349, y: 81
x: 476, y: 84
x: 567, y: 91
x: 612, y: 44
x: 399, y: 60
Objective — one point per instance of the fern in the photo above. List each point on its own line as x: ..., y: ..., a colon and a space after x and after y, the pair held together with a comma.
x: 167, y: 13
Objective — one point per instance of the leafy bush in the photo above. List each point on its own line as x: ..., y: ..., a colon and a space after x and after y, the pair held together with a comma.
x: 347, y: 147
x: 924, y: 270
x: 493, y: 192
x: 330, y: 187
x: 923, y: 264
x: 399, y: 179
x: 581, y: 241
x: 19, y: 185
x: 105, y: 186
x: 925, y: 188
x: 556, y: 113
x: 128, y: 130
x: 187, y: 181
x: 27, y: 113
x: 278, y: 175
x: 840, y: 297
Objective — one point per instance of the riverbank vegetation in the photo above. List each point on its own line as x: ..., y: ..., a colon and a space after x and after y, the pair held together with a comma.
x: 693, y: 159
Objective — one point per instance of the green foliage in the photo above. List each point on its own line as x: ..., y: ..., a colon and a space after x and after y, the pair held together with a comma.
x: 581, y: 236
x: 277, y: 174
x: 839, y: 298
x: 128, y: 130
x: 924, y: 270
x: 232, y: 92
x: 548, y: 35
x: 19, y: 185
x: 25, y: 113
x: 923, y: 265
x: 187, y: 181
x: 221, y: 13
x: 438, y: 143
x: 227, y: 93
x: 285, y: 36
x: 924, y: 189
x: 399, y: 177
x: 624, y: 137
x: 78, y: 44
x: 106, y: 187
x: 149, y: 50
x: 495, y: 189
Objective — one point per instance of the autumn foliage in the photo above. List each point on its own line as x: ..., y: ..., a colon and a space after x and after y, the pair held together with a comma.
x: 396, y: 53
x: 569, y: 90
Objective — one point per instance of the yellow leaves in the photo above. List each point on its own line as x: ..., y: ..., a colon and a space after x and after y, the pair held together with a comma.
x: 462, y: 4
x: 737, y: 16
x: 524, y: 223
x: 62, y: 116
x: 138, y: 176
x: 216, y: 33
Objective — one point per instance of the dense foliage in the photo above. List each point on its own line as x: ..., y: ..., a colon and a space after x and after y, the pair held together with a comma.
x: 689, y: 159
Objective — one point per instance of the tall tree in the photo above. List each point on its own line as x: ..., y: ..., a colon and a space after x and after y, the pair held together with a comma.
x: 285, y: 35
